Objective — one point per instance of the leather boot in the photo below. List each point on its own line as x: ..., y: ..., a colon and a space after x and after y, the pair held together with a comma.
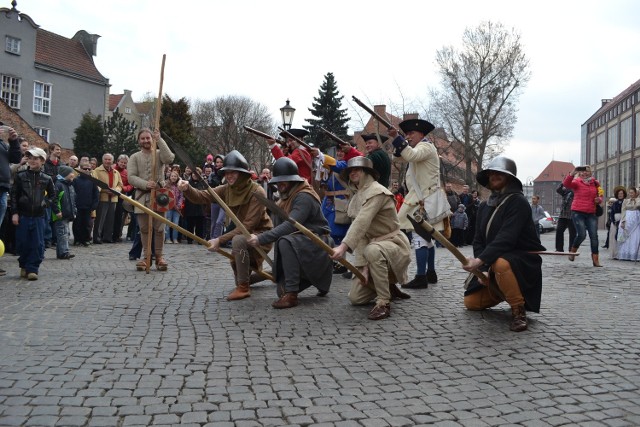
x: 397, y: 293
x: 240, y: 292
x: 432, y: 277
x: 161, y: 264
x: 572, y: 257
x: 596, y: 260
x: 518, y: 319
x: 379, y: 312
x: 288, y: 300
x: 418, y: 282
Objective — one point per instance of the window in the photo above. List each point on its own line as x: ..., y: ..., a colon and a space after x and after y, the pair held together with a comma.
x: 592, y: 152
x: 625, y: 135
x: 612, y: 179
x: 12, y: 45
x: 601, y: 148
x: 41, y: 98
x: 44, y: 132
x: 612, y: 146
x: 625, y: 173
x: 127, y: 110
x: 11, y: 91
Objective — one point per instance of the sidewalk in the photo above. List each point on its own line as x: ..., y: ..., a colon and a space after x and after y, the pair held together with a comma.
x: 95, y: 343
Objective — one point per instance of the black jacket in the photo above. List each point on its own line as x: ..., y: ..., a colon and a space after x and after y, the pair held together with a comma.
x: 32, y: 192
x: 9, y: 153
x: 87, y: 193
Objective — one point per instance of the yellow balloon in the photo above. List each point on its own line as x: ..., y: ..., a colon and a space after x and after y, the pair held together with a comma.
x: 1, y: 248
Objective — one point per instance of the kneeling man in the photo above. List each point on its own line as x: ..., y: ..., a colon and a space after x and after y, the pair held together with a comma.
x: 381, y: 248
x: 298, y: 263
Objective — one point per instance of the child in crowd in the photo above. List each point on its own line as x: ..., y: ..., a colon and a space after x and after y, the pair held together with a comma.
x: 459, y: 223
x: 66, y: 200
x: 31, y: 193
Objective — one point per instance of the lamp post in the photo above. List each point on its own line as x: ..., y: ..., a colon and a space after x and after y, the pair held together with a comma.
x: 287, y: 115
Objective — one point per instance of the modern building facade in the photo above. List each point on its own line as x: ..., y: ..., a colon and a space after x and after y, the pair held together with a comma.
x: 610, y: 140
x: 48, y: 79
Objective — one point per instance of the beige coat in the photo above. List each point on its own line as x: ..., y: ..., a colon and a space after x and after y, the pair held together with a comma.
x: 375, y: 220
x: 101, y: 173
x: 139, y: 172
x: 424, y: 170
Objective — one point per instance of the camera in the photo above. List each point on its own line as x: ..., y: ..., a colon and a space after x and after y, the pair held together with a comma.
x: 581, y: 168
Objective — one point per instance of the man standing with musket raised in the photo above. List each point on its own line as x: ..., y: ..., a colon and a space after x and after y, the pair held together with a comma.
x: 423, y: 179
x: 298, y: 154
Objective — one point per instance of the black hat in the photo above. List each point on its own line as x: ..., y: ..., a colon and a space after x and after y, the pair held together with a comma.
x: 499, y: 164
x: 422, y: 126
x: 368, y: 136
x: 359, y: 162
x: 300, y: 133
x: 64, y: 171
x: 234, y: 161
x: 285, y: 170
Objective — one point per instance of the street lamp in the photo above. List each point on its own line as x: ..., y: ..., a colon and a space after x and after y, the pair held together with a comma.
x: 287, y: 115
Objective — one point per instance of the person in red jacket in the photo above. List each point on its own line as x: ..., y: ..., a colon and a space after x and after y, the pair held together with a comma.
x: 587, y: 193
x: 297, y: 153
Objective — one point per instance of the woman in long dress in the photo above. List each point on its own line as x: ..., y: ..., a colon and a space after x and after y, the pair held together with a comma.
x: 629, y: 231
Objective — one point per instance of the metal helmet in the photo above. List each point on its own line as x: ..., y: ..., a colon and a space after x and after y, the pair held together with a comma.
x: 285, y: 170
x: 234, y: 161
x: 498, y: 164
x: 359, y: 162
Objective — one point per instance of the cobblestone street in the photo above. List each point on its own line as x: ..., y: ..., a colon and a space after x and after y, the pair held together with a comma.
x: 95, y: 343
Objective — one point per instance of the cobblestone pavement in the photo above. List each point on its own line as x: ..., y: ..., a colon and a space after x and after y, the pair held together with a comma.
x: 95, y: 343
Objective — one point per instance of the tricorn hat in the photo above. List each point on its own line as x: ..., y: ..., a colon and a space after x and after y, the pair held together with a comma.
x: 359, y: 162
x: 499, y: 164
x: 300, y: 133
x: 419, y: 125
x: 367, y: 136
x: 234, y: 161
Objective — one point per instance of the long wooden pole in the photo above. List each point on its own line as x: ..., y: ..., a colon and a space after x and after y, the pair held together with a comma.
x: 154, y: 160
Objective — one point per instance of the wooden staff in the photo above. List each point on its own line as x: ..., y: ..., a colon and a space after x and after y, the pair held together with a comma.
x: 154, y: 175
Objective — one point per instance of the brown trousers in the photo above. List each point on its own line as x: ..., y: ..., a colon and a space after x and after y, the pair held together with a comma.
x: 158, y: 233
x: 505, y: 288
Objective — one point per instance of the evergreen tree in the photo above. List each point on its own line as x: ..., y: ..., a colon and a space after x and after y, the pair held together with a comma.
x: 120, y: 135
x: 177, y: 123
x: 89, y: 136
x: 328, y: 113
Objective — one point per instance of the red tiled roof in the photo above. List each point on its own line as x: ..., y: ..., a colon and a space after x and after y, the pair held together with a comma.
x: 555, y: 171
x: 114, y: 100
x: 61, y: 53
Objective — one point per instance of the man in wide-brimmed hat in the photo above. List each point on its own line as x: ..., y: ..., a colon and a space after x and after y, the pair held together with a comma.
x: 381, y: 249
x: 423, y: 179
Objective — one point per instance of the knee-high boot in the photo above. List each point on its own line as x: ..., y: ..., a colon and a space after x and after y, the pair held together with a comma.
x: 596, y: 260
x: 508, y: 284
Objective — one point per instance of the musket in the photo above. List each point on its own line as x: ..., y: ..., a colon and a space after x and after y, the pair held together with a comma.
x: 295, y: 138
x: 375, y: 115
x: 262, y: 134
x: 166, y: 221
x: 184, y: 156
x: 333, y: 136
x: 273, y: 207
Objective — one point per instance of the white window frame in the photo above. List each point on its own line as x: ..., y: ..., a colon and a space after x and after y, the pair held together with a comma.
x: 12, y: 45
x: 42, y: 98
x: 45, y: 133
x: 10, y: 90
x: 127, y: 110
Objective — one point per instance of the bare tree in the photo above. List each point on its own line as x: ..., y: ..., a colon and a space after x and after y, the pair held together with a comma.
x: 219, y: 126
x: 481, y: 84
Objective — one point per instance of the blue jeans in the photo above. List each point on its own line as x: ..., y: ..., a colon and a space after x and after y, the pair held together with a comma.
x: 30, y: 242
x: 62, y: 235
x: 3, y: 206
x: 585, y: 222
x: 170, y: 233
